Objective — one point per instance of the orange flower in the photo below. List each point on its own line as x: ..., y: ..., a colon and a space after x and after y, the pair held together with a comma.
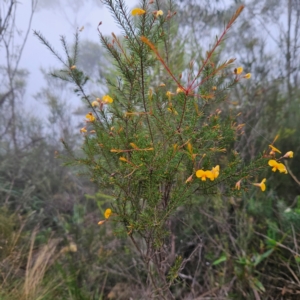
x: 261, y: 185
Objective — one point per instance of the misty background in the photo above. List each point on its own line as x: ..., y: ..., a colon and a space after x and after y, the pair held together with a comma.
x: 51, y: 246
x: 54, y: 19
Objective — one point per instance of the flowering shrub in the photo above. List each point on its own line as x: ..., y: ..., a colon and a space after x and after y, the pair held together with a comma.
x: 158, y: 142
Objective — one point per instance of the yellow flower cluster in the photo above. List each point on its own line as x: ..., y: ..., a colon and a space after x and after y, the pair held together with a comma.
x: 276, y: 166
x: 90, y: 118
x: 139, y: 12
x: 105, y: 100
x: 239, y: 71
x: 210, y: 174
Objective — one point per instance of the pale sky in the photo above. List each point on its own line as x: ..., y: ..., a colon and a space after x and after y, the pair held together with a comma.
x: 53, y: 23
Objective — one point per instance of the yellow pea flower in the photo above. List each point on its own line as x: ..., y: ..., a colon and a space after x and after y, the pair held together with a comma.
x: 277, y: 166
x: 201, y: 174
x: 169, y: 95
x: 190, y: 148
x: 83, y: 130
x: 134, y: 146
x: 95, y: 103
x: 204, y: 174
x: 215, y: 171
x: 274, y: 149
x: 107, y: 213
x: 90, y: 117
x: 261, y: 185
x: 210, y: 175
x: 173, y: 111
x: 247, y: 76
x: 107, y: 99
x: 122, y: 158
x: 238, y: 70
x: 289, y: 154
x: 159, y: 13
x: 179, y: 90
x: 138, y: 12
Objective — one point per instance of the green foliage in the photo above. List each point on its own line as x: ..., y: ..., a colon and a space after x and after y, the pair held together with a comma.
x: 170, y: 234
x: 145, y: 144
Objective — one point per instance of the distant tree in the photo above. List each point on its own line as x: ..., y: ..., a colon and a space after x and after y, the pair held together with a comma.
x: 12, y: 78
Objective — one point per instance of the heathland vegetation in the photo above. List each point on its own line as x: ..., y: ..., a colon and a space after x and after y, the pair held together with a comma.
x: 182, y: 180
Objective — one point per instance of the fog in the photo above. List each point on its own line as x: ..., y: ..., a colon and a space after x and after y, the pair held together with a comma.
x: 55, y: 19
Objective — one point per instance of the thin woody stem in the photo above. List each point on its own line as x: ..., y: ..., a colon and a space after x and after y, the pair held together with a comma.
x: 209, y: 54
x: 183, y: 113
x: 143, y: 91
x: 153, y: 48
x: 211, y: 75
x: 120, y: 47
